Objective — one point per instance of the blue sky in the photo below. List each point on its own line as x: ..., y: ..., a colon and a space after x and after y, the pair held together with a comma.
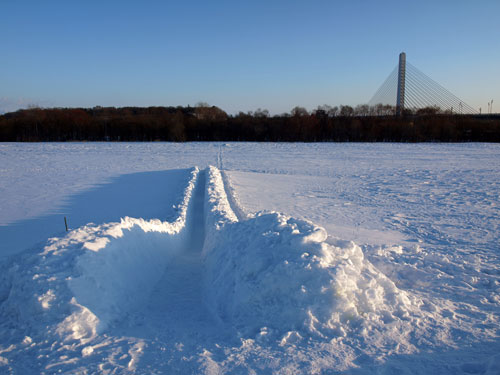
x: 240, y: 55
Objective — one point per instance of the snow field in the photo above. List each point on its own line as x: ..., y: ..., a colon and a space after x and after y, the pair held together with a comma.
x: 270, y: 278
x: 218, y: 286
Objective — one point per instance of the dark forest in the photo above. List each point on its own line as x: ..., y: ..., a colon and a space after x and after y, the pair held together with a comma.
x: 205, y: 123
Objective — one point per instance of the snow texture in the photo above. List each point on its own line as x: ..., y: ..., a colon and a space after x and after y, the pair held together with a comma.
x: 210, y: 278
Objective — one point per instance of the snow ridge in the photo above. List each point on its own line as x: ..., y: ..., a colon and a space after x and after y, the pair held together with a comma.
x: 274, y: 273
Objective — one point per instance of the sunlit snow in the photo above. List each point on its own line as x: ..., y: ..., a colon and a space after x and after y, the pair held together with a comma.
x: 249, y: 258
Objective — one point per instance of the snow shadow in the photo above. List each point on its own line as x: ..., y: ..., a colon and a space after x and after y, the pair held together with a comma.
x: 144, y: 195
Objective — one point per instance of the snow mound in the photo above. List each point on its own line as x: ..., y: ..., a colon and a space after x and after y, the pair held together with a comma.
x: 274, y: 273
x: 284, y: 274
x: 119, y: 272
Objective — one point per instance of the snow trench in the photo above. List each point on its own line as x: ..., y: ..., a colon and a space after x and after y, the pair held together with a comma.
x: 269, y: 272
x: 268, y: 275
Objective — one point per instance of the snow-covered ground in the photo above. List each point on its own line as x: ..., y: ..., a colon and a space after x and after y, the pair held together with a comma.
x: 280, y: 258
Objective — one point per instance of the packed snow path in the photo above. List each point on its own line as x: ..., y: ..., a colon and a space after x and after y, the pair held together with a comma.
x: 179, y: 292
x: 176, y: 309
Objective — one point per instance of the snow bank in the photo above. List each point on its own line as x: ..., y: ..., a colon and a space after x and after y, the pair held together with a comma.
x: 275, y: 274
x: 125, y: 260
x: 219, y: 211
x: 95, y: 275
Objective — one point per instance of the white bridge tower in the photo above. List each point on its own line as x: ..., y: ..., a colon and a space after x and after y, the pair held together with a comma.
x: 400, y: 100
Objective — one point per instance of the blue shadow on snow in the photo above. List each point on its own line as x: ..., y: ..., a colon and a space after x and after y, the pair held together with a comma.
x: 146, y: 195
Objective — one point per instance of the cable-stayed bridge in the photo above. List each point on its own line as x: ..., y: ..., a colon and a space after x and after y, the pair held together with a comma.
x: 408, y: 88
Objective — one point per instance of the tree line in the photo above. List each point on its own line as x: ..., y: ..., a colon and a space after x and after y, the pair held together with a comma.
x: 362, y: 123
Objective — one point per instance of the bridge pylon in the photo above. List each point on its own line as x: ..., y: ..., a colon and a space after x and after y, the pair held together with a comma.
x: 412, y: 90
x: 400, y: 99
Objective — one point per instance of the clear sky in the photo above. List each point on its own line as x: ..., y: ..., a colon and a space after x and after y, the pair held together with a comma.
x: 241, y: 55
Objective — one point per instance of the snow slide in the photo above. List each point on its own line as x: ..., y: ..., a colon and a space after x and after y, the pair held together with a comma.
x: 203, y: 293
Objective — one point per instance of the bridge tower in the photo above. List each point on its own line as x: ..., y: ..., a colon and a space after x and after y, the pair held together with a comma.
x: 400, y: 100
x: 413, y: 90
